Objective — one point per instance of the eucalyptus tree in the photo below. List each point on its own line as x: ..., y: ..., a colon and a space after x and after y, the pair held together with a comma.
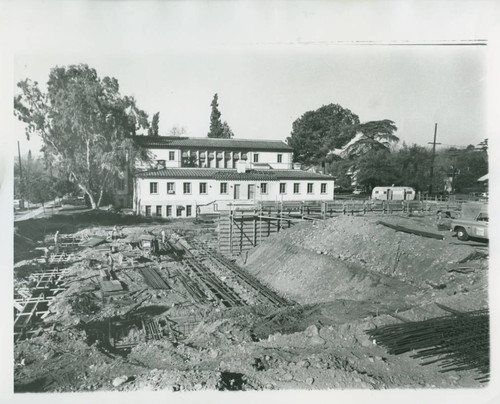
x: 85, y: 124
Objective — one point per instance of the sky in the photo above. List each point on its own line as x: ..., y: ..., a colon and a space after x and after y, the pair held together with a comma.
x: 263, y: 90
x: 268, y: 64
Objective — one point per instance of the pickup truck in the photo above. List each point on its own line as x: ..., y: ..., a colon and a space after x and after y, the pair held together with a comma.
x: 473, y: 222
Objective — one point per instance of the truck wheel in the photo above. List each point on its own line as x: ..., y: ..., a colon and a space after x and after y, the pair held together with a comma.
x: 462, y: 234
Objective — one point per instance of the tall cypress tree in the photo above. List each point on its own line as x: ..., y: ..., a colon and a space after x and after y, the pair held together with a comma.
x: 154, y: 130
x: 216, y: 127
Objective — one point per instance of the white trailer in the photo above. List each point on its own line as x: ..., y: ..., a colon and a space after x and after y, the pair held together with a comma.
x: 393, y: 193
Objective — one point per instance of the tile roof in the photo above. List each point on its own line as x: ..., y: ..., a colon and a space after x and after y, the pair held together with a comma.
x: 232, y: 175
x: 164, y: 142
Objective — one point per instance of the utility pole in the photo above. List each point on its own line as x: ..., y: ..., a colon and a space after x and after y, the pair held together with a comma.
x: 433, y: 155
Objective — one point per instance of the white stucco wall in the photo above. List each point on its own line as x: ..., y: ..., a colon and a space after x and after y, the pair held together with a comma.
x: 179, y: 198
x: 270, y: 158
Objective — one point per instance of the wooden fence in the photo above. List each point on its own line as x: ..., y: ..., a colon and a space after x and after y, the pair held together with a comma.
x: 241, y: 230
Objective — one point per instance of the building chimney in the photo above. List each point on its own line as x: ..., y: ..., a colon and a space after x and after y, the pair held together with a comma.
x: 297, y: 166
x: 241, y: 166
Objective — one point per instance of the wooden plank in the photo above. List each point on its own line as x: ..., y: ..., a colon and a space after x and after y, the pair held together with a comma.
x: 412, y: 231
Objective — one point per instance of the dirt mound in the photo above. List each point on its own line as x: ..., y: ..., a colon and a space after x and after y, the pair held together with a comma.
x: 351, y: 258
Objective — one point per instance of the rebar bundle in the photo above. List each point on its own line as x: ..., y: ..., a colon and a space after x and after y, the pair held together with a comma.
x: 457, y: 342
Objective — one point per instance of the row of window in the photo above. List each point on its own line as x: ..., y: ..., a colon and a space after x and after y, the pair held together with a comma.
x: 171, y: 157
x: 186, y: 188
x: 169, y: 209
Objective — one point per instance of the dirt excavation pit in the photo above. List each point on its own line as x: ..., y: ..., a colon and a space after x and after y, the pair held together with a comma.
x: 297, y: 312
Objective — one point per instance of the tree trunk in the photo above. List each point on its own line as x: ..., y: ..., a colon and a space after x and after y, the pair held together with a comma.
x: 93, y: 204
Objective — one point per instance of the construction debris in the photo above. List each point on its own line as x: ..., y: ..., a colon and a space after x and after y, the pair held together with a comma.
x: 160, y: 307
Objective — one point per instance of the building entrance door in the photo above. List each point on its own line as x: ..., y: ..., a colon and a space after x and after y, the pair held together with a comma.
x: 251, y: 191
x: 237, y: 191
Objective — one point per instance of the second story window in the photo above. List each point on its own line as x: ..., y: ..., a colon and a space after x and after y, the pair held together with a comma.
x: 203, y: 187
x: 171, y: 155
x: 170, y: 188
x: 187, y: 187
x: 323, y: 188
x: 153, y: 187
x: 280, y: 158
x: 310, y: 188
x: 256, y: 157
x: 263, y: 188
x: 282, y: 188
x: 296, y: 188
x: 223, y: 187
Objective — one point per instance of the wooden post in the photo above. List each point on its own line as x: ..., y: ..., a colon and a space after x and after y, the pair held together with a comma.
x: 269, y: 225
x: 254, y: 228
x: 241, y: 234
x: 260, y: 226
x: 231, y: 231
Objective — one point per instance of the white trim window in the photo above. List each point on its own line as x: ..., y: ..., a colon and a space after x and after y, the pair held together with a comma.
x: 153, y: 188
x: 256, y: 157
x: 280, y: 158
x: 282, y: 188
x: 223, y: 187
x: 263, y: 187
x: 171, y: 155
x: 296, y: 188
x: 187, y: 187
x: 203, y: 187
x: 323, y: 187
x: 310, y: 187
x: 171, y: 188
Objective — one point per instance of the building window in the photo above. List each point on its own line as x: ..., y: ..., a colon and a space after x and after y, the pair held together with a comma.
x: 187, y: 187
x: 160, y: 163
x: 323, y: 188
x: 256, y: 157
x: 169, y: 210
x: 170, y: 188
x: 179, y: 211
x: 223, y: 187
x: 171, y: 155
x: 148, y: 210
x: 263, y: 188
x: 120, y: 184
x: 158, y: 210
x: 188, y: 210
x: 310, y: 188
x: 153, y: 187
x: 203, y: 187
x: 282, y: 188
x: 296, y: 188
x: 280, y: 158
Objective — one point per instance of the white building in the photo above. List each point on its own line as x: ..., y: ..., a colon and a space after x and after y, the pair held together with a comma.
x: 179, y: 192
x: 169, y: 152
x: 206, y: 175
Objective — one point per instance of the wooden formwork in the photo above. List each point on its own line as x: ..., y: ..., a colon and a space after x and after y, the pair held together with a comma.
x: 240, y: 231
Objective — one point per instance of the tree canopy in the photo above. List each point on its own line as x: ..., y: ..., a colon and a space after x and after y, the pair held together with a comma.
x: 218, y: 129
x: 371, y: 136
x: 85, y: 124
x: 318, y: 132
